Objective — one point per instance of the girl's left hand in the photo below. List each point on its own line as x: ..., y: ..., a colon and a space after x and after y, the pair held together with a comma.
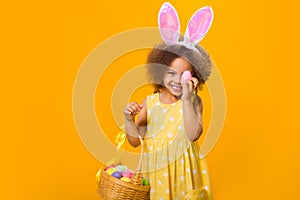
x: 188, y: 87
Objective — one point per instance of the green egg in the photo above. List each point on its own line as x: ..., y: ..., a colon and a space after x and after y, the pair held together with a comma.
x: 145, y: 182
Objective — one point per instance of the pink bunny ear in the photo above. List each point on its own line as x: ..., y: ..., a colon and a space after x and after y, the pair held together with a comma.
x: 198, y: 25
x: 168, y: 23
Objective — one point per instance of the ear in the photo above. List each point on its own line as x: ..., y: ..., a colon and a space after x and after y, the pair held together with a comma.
x: 168, y: 23
x: 198, y: 25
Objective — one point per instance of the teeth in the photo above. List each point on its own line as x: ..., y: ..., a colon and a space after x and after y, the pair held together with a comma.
x: 176, y: 87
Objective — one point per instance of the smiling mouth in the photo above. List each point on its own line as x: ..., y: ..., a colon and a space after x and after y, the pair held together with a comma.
x: 176, y: 87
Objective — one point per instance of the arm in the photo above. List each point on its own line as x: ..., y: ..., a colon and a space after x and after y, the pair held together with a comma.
x: 192, y: 110
x: 192, y: 116
x: 132, y: 128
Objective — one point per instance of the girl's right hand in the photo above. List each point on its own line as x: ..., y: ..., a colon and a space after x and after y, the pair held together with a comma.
x: 131, y: 110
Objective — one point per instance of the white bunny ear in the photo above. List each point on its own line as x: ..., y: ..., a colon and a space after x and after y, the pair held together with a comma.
x: 168, y: 23
x: 198, y: 25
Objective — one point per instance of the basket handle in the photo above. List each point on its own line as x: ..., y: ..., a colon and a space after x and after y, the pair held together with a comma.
x: 141, y: 156
x: 120, y: 139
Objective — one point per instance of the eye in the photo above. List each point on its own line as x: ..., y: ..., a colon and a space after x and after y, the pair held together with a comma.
x: 171, y: 73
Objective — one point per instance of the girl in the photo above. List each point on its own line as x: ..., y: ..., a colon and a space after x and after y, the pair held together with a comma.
x: 170, y: 121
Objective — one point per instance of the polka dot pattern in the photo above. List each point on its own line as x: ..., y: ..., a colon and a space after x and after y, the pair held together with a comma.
x: 176, y: 168
x: 180, y: 127
x: 172, y: 119
x: 206, y: 187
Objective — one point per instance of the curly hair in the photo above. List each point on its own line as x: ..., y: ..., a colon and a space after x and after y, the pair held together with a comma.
x: 162, y: 55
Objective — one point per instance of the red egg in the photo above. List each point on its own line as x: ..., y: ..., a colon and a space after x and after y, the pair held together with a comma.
x: 107, y: 167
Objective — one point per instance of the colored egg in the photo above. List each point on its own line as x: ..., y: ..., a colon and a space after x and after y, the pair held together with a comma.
x: 125, y: 179
x: 127, y: 173
x: 111, y: 170
x: 187, y: 75
x: 145, y: 182
x: 116, y: 174
x: 107, y: 167
x: 121, y: 168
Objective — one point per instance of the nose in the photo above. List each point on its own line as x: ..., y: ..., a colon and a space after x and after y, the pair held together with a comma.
x: 177, y: 78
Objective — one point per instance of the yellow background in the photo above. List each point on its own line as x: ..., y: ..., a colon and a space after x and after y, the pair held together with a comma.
x: 254, y: 43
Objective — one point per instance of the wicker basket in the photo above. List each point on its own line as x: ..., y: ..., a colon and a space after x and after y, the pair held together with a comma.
x: 111, y: 188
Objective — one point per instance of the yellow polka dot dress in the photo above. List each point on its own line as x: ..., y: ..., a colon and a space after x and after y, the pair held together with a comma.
x: 174, y: 166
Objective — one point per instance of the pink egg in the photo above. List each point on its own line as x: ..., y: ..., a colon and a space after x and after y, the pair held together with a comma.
x: 127, y: 173
x: 187, y: 75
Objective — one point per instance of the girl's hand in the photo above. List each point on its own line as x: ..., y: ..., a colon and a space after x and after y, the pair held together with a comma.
x: 188, y: 87
x: 131, y: 110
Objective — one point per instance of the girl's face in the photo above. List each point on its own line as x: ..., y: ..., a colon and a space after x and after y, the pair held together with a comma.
x: 172, y: 77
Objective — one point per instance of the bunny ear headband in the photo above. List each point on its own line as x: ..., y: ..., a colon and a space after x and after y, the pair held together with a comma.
x: 198, y: 26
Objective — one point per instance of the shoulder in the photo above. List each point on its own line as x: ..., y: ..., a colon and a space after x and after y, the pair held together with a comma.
x: 153, y: 98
